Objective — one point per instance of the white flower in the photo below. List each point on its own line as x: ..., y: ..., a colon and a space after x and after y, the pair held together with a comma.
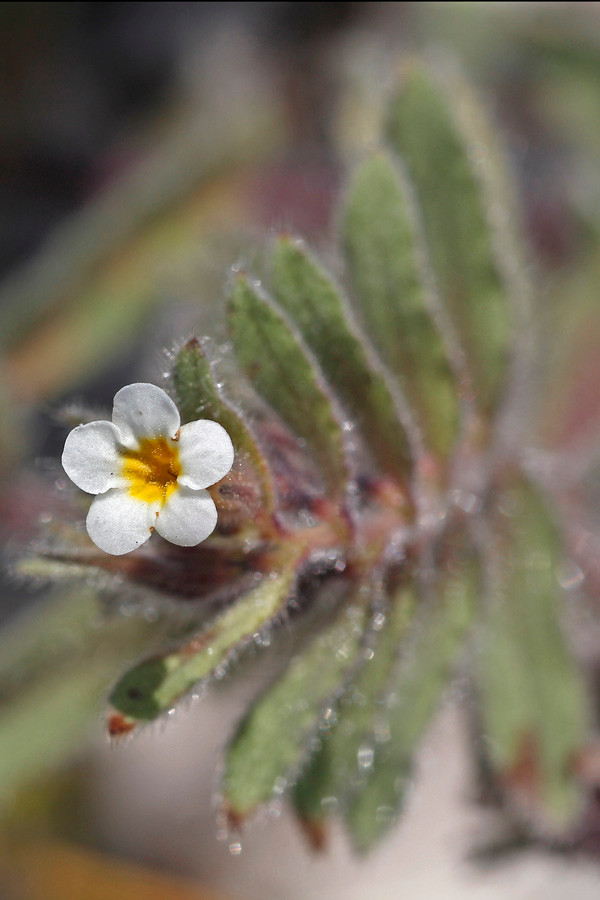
x: 147, y: 471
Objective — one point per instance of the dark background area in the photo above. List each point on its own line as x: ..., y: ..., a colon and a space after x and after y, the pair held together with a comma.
x: 76, y: 77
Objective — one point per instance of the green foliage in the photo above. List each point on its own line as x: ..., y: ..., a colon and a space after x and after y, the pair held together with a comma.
x: 336, y: 764
x: 153, y: 686
x: 386, y: 269
x: 279, y: 367
x: 422, y: 675
x: 448, y: 160
x: 411, y: 563
x: 305, y: 290
x: 56, y: 665
x: 38, y: 641
x: 533, y: 699
x: 272, y: 739
x: 198, y: 397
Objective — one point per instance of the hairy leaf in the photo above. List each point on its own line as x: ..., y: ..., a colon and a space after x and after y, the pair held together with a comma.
x: 451, y: 165
x: 419, y: 682
x: 153, y: 686
x: 387, y: 273
x: 305, y: 290
x: 336, y: 763
x: 277, y: 363
x: 533, y: 700
x: 272, y: 739
x: 199, y: 397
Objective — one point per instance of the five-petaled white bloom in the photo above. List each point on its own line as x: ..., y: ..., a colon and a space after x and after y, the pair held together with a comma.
x: 148, y: 471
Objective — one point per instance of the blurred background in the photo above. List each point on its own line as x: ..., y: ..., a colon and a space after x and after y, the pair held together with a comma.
x: 144, y: 149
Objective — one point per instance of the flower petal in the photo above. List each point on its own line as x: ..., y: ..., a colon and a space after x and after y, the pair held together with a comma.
x: 91, y: 457
x: 187, y: 518
x: 118, y: 522
x: 205, y: 453
x: 144, y: 410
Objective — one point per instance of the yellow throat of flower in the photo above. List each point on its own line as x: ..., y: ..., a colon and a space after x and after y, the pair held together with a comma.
x: 152, y: 470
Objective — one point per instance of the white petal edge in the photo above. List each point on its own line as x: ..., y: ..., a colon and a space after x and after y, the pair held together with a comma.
x: 205, y: 453
x: 144, y: 410
x: 187, y: 518
x: 119, y: 523
x: 91, y: 457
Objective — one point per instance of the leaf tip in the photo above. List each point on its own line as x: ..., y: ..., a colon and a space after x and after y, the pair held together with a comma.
x: 316, y: 834
x: 233, y: 818
x: 118, y: 725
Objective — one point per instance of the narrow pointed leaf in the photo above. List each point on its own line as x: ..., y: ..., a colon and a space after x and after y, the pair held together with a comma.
x: 385, y: 264
x: 272, y: 739
x: 335, y: 765
x: 47, y: 569
x: 198, y: 397
x: 278, y: 364
x: 206, y: 573
x: 420, y: 680
x: 534, y: 704
x: 305, y: 290
x: 453, y: 167
x: 153, y: 686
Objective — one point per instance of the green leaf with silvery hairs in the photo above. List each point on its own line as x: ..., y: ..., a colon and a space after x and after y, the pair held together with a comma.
x: 386, y: 268
x: 422, y: 674
x: 153, y: 686
x: 534, y: 705
x: 199, y: 397
x: 332, y: 769
x: 282, y: 371
x: 305, y: 290
x: 272, y: 739
x: 440, y: 137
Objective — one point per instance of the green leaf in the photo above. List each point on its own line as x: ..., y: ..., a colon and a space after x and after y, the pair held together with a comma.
x: 153, y: 686
x: 460, y: 188
x: 386, y: 270
x: 423, y: 673
x: 570, y: 369
x: 47, y: 569
x: 278, y: 365
x: 198, y: 397
x: 534, y: 705
x: 271, y: 740
x: 44, y: 724
x: 60, y: 625
x: 335, y: 765
x: 62, y: 629
x: 303, y: 288
x: 57, y: 662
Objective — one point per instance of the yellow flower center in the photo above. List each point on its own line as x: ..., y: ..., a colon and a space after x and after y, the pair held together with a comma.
x: 152, y: 470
